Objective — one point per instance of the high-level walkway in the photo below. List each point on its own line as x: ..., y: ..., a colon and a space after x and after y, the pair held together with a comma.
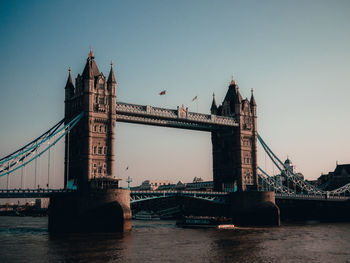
x: 179, y: 118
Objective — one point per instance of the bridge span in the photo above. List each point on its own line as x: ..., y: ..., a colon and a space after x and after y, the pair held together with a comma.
x: 179, y: 118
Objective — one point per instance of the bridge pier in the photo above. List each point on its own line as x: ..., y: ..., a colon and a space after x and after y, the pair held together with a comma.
x: 253, y: 208
x: 93, y: 210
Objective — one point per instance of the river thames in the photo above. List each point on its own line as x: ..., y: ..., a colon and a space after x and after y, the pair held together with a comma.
x: 26, y: 239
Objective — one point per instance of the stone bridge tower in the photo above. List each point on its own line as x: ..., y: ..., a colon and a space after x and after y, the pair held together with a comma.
x: 235, y: 149
x: 89, y: 152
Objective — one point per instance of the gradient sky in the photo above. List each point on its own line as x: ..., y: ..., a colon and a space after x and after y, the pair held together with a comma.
x: 294, y: 54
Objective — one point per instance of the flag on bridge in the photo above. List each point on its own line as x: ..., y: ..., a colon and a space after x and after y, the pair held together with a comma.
x: 194, y: 98
x: 162, y: 92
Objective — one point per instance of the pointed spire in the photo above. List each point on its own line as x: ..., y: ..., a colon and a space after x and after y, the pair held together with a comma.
x: 213, y: 108
x: 111, y: 77
x: 91, y: 53
x: 90, y: 70
x: 233, y: 82
x: 69, y: 84
x: 252, y: 100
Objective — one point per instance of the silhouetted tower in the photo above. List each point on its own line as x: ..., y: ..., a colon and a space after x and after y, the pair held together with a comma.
x: 89, y: 148
x: 235, y: 149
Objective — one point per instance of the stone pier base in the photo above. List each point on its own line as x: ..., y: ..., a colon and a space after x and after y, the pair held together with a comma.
x: 254, y: 208
x: 90, y: 211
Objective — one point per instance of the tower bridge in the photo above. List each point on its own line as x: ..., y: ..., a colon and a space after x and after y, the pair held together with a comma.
x: 233, y: 127
x: 91, y: 112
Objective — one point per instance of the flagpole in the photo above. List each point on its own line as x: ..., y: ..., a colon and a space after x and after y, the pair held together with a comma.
x: 195, y: 99
x: 163, y: 93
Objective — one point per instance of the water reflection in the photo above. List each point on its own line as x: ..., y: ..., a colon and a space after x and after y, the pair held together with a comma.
x: 94, y: 247
x: 27, y: 240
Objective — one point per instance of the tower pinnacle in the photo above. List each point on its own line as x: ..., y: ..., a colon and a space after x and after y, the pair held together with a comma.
x: 111, y: 77
x: 252, y: 100
x: 213, y: 108
x: 233, y: 82
x: 69, y: 85
x: 91, y: 53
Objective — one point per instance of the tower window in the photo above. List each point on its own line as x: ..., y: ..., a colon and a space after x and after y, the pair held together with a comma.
x: 99, y: 150
x: 100, y: 128
x: 94, y: 149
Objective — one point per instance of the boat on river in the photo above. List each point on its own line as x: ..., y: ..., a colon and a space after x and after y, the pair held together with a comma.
x: 144, y: 215
x: 205, y: 222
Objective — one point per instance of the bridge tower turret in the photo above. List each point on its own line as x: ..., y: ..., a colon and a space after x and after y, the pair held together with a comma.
x: 89, y: 146
x: 234, y: 149
x: 213, y: 108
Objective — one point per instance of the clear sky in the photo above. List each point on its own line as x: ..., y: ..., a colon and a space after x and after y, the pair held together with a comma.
x: 294, y: 54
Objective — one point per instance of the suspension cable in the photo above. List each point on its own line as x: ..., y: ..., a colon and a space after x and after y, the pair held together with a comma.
x: 50, y: 131
x: 67, y: 128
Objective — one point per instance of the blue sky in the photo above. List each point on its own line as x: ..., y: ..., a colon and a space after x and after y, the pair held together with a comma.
x: 294, y: 54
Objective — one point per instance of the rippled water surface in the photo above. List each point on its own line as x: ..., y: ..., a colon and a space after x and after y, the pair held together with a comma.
x: 25, y: 239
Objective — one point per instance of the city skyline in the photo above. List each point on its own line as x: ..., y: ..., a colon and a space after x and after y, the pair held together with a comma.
x: 298, y: 69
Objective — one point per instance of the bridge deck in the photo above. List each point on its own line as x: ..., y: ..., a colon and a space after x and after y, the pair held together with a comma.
x: 32, y: 193
x: 180, y: 118
x: 40, y: 193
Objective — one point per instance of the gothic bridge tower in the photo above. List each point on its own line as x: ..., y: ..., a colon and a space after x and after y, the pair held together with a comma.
x: 89, y: 152
x: 235, y: 149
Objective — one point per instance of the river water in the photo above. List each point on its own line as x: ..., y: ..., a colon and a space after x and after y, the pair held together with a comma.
x: 25, y: 239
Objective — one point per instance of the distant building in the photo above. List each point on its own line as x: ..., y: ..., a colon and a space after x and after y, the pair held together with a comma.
x: 338, y: 178
x: 197, y: 180
x: 152, y: 185
x: 198, y: 184
x: 282, y: 177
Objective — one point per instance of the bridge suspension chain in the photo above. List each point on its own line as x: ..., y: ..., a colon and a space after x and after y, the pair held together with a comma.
x: 305, y: 186
x: 31, y: 146
x: 274, y: 183
x: 302, y: 184
x: 31, y: 151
